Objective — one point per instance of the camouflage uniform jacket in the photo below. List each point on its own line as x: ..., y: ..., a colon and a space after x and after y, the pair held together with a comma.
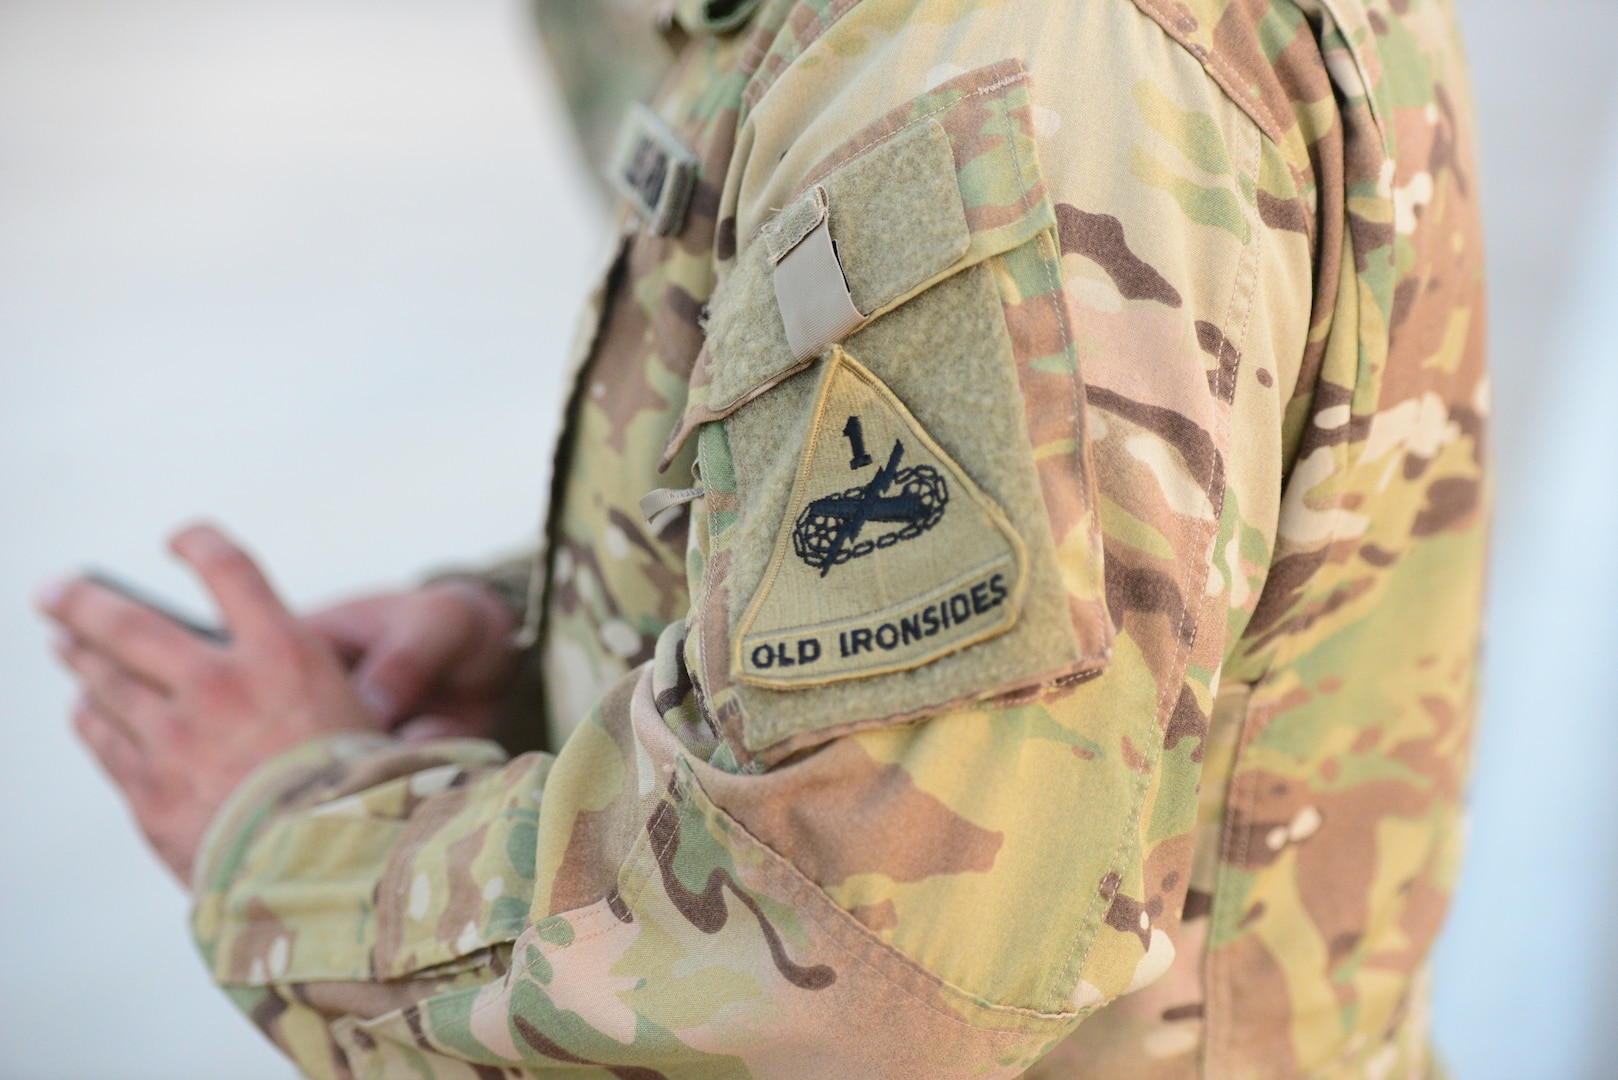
x: 1067, y: 667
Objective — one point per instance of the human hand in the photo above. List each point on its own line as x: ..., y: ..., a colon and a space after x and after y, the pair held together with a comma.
x: 178, y: 722
x: 434, y: 661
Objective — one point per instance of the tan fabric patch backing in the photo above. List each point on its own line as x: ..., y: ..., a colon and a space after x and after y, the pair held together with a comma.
x: 890, y: 555
x: 947, y: 356
x: 897, y: 218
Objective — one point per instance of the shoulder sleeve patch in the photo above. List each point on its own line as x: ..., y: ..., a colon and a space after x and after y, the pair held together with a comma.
x: 890, y: 556
x: 906, y: 522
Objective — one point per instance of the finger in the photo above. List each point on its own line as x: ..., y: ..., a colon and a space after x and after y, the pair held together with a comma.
x: 352, y: 629
x: 114, y: 690
x: 110, y: 744
x: 251, y: 608
x: 403, y: 668
x: 136, y: 637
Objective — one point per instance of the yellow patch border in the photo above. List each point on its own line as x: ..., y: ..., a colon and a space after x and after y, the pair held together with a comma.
x: 838, y: 359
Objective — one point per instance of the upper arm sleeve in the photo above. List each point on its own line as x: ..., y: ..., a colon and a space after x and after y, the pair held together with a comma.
x: 912, y: 798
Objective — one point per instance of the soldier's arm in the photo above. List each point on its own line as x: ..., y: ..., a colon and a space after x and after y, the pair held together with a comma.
x: 974, y: 823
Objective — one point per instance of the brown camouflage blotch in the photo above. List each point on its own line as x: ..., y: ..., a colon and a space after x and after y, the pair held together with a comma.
x: 1222, y: 379
x: 1128, y: 916
x: 1193, y: 443
x: 1377, y: 556
x: 707, y: 910
x: 1100, y: 238
x: 1165, y: 900
x: 465, y: 904
x: 1187, y: 721
x: 1283, y: 587
x: 1249, y: 1033
x: 267, y: 1012
x: 724, y: 247
x: 1289, y: 215
x: 1450, y: 501
x: 841, y: 813
x: 1139, y: 590
x: 1336, y: 866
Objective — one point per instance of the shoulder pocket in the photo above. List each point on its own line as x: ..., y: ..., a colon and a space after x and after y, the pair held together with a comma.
x: 901, y: 511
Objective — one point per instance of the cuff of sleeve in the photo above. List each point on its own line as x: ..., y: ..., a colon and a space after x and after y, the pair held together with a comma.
x: 305, y: 770
x: 298, y: 784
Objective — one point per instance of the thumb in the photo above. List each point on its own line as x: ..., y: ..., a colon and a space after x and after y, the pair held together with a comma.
x: 404, y: 667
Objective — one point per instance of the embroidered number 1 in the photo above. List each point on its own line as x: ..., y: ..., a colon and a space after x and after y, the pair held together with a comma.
x: 856, y: 443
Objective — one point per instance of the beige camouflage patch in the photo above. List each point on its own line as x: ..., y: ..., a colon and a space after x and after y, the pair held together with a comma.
x: 889, y: 557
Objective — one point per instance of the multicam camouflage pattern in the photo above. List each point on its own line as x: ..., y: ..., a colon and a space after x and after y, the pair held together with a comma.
x: 584, y: 39
x: 1225, y: 855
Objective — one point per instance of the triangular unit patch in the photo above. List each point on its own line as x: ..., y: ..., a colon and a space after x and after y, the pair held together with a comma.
x: 890, y: 556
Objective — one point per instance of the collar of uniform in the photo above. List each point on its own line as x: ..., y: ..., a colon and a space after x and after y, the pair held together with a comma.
x: 710, y: 16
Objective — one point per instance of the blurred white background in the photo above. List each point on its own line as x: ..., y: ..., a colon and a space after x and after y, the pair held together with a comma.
x: 309, y: 267
x: 305, y: 266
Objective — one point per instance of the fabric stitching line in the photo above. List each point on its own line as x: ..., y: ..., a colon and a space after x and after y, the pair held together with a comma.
x: 803, y: 885
x: 1246, y: 840
x: 1223, y: 72
x: 999, y: 84
x: 664, y: 808
x: 1246, y: 292
x: 1090, y: 927
x: 1058, y: 300
x: 1228, y: 1028
x: 1076, y: 423
x: 1188, y: 637
x: 1240, y: 289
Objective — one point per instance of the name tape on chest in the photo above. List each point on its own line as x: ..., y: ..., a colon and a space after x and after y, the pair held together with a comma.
x: 890, y: 556
x: 653, y: 169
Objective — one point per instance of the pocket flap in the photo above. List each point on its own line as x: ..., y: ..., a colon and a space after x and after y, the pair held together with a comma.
x: 906, y: 204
